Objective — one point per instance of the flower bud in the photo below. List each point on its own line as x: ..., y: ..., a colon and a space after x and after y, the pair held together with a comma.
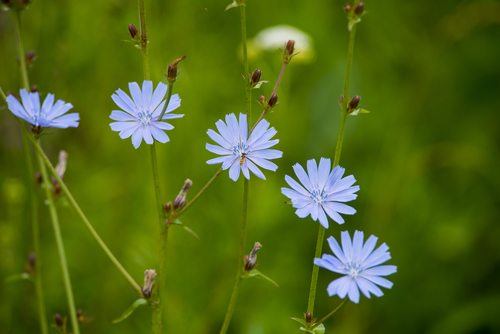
x: 132, y: 29
x: 172, y: 69
x: 272, y: 100
x: 167, y: 207
x: 359, y: 8
x: 180, y: 199
x: 149, y: 280
x: 255, y: 77
x: 347, y: 7
x: 251, y: 259
x: 59, y: 320
x: 353, y: 104
x: 262, y: 100
x: 308, y: 317
x: 289, y: 49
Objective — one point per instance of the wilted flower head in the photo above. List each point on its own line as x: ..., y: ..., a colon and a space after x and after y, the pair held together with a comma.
x: 46, y: 115
x: 240, y: 152
x: 360, y: 263
x: 322, y: 191
x: 139, y: 115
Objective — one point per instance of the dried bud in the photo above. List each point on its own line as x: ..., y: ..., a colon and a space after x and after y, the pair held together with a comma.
x: 289, y: 49
x: 149, y: 280
x: 180, y: 199
x: 262, y: 99
x: 359, y: 8
x: 251, y: 259
x: 353, y: 104
x: 32, y: 262
x: 255, y: 77
x: 308, y: 317
x: 59, y: 320
x: 38, y: 178
x: 272, y: 100
x: 167, y: 207
x: 132, y: 29
x: 62, y: 163
x: 172, y: 69
x: 347, y: 7
x: 30, y: 57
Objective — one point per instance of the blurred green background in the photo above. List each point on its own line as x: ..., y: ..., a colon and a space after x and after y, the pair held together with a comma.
x: 426, y: 158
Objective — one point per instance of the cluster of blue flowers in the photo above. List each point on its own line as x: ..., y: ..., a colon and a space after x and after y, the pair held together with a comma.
x: 320, y: 192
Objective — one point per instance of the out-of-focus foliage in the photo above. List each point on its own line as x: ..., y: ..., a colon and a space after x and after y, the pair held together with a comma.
x: 426, y: 158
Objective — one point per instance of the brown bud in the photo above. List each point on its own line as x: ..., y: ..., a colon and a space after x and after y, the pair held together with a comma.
x: 290, y: 47
x: 172, y: 69
x: 308, y: 317
x: 272, y: 100
x: 132, y: 29
x: 347, y: 7
x: 359, y: 8
x: 59, y: 320
x: 167, y: 207
x: 30, y: 57
x: 353, y: 104
x: 180, y: 199
x: 149, y: 280
x: 262, y: 99
x: 255, y: 77
x: 251, y: 259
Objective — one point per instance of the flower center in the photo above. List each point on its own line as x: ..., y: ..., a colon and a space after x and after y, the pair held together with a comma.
x: 354, y: 269
x: 241, y: 150
x: 144, y: 117
x: 318, y: 196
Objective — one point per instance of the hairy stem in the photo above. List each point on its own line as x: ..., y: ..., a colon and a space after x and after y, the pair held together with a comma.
x: 338, y: 151
x: 60, y: 245
x: 35, y: 226
x: 246, y: 184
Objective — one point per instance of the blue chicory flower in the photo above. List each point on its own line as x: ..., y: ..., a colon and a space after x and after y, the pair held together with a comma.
x: 361, y: 265
x: 322, y: 191
x: 240, y: 152
x: 46, y: 115
x: 139, y: 115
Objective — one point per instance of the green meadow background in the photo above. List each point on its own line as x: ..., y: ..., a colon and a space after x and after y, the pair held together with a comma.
x: 426, y: 158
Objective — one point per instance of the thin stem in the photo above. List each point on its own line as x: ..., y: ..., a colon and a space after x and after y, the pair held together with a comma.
x: 144, y: 39
x: 20, y: 52
x: 338, y: 150
x: 2, y: 94
x: 326, y: 317
x: 35, y: 226
x: 246, y: 184
x: 60, y: 245
x: 83, y: 217
x: 169, y: 96
x: 243, y: 233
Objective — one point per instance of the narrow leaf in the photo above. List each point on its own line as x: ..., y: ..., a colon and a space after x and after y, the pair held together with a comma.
x: 358, y: 111
x: 190, y: 231
x: 299, y: 320
x: 258, y: 274
x: 232, y: 5
x: 138, y: 303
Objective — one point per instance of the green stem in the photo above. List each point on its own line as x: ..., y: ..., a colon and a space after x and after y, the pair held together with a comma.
x: 144, y: 39
x: 35, y: 226
x: 84, y: 218
x: 246, y: 184
x: 326, y: 317
x: 169, y: 96
x: 243, y: 234
x: 338, y: 150
x: 60, y: 245
x: 2, y: 94
x: 20, y: 52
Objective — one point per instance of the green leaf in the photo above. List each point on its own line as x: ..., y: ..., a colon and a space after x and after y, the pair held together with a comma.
x: 232, y: 5
x: 18, y: 277
x: 260, y: 83
x: 138, y: 303
x: 358, y: 111
x: 185, y: 228
x: 299, y: 320
x: 258, y: 274
x: 319, y: 329
x: 353, y: 21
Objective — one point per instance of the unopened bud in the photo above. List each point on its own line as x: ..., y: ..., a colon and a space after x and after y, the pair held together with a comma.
x: 30, y: 57
x: 272, y: 100
x: 255, y: 77
x: 172, y: 69
x: 289, y: 49
x: 353, y: 104
x: 149, y: 280
x: 359, y: 8
x: 132, y: 29
x: 180, y: 199
x: 251, y: 259
x: 167, y: 207
x: 347, y: 7
x: 59, y: 320
x: 308, y: 317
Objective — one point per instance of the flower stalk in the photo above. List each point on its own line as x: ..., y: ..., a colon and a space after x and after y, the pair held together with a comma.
x: 338, y: 150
